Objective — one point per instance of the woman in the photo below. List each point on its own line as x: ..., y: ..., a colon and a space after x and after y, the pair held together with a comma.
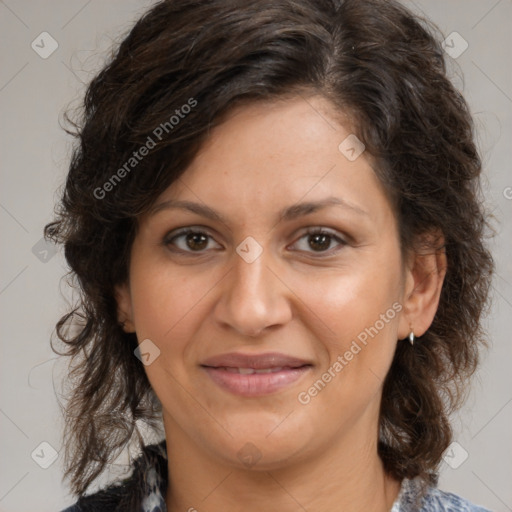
x: 274, y: 220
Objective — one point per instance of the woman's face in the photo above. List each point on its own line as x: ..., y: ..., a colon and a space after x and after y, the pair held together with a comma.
x: 293, y: 258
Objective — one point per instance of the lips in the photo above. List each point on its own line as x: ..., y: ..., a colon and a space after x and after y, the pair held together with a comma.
x: 249, y: 371
x: 268, y: 360
x: 255, y: 375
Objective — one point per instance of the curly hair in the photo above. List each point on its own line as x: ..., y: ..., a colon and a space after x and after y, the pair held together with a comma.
x: 376, y: 63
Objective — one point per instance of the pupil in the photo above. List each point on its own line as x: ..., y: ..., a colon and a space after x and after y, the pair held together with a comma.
x: 323, y: 241
x: 196, y: 241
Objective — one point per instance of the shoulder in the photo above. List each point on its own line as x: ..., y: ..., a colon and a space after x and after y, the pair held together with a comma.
x: 437, y: 500
x: 104, y: 500
x: 434, y: 500
x: 149, y: 469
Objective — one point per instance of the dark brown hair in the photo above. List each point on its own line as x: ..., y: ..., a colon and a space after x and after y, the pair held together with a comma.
x: 375, y: 62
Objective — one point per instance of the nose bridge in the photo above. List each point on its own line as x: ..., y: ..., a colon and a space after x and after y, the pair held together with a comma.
x: 252, y: 299
x: 248, y: 278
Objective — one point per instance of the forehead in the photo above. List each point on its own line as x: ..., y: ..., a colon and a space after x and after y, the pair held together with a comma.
x: 266, y: 156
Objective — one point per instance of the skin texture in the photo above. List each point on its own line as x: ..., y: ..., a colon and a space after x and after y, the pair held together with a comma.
x: 302, y: 297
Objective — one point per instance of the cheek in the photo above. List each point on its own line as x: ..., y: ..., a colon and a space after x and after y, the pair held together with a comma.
x: 161, y: 295
x: 169, y: 306
x: 348, y: 301
x: 356, y: 310
x: 167, y: 309
x: 156, y: 307
x: 357, y: 348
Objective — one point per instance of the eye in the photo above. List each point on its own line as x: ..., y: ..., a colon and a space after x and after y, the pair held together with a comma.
x: 319, y: 240
x: 189, y: 240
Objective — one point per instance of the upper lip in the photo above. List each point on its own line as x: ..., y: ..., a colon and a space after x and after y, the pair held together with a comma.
x: 256, y: 361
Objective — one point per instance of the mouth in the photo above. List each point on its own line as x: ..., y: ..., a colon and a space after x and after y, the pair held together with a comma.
x: 255, y: 375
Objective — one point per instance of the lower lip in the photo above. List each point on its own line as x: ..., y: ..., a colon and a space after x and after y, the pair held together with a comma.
x: 255, y: 384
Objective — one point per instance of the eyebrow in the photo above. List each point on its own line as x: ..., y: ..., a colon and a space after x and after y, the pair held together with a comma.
x: 290, y: 213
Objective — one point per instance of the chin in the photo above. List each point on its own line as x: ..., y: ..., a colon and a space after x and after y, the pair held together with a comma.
x: 263, y: 445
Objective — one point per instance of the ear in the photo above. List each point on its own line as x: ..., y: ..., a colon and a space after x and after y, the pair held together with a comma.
x: 424, y: 277
x: 124, y: 307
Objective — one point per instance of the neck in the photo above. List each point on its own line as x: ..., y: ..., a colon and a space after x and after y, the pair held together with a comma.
x: 347, y: 476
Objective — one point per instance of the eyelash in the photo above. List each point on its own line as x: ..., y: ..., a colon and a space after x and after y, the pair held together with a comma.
x: 168, y: 241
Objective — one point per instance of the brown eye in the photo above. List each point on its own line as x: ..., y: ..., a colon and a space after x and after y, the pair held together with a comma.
x: 189, y: 240
x: 319, y: 242
x: 196, y: 241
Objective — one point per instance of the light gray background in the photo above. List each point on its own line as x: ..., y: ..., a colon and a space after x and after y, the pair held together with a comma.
x: 34, y: 93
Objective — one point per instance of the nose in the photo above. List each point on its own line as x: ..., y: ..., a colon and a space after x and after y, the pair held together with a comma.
x: 253, y: 298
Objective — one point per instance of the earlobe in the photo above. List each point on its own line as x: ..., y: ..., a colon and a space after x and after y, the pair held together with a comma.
x: 124, y: 307
x: 424, y: 282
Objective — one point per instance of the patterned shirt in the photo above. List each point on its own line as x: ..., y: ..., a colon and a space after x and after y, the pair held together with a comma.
x: 150, y: 475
